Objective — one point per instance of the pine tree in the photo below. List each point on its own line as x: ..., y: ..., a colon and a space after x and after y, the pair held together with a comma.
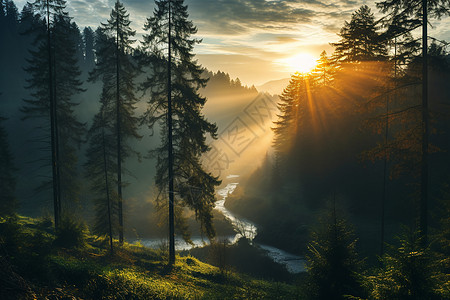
x: 54, y: 80
x: 324, y: 71
x: 88, y: 40
x: 360, y: 40
x: 9, y: 30
x: 70, y: 131
x: 175, y: 104
x: 409, y: 271
x: 117, y: 71
x: 332, y: 263
x: 101, y: 169
x: 287, y: 124
x: 407, y: 15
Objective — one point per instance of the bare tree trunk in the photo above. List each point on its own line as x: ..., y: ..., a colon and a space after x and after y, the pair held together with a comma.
x: 53, y: 138
x: 119, y: 152
x: 170, y: 148
x: 105, y: 168
x: 423, y: 223
x: 385, y: 179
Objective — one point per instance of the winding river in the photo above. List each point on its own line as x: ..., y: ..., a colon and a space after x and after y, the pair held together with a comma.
x: 243, y: 228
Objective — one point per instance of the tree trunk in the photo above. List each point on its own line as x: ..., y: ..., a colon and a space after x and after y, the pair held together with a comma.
x: 170, y: 148
x: 53, y: 141
x: 423, y: 223
x: 119, y: 152
x: 105, y: 168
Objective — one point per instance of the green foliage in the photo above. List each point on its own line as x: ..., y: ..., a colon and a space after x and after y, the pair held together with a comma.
x: 26, y: 248
x: 115, y: 123
x: 66, y: 84
x: 71, y: 233
x: 133, y: 272
x: 409, y: 272
x: 219, y: 254
x: 243, y: 258
x: 45, y: 222
x: 195, y: 188
x: 332, y: 263
x: 10, y: 235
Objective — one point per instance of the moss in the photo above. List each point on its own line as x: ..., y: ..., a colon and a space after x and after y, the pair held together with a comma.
x: 132, y: 272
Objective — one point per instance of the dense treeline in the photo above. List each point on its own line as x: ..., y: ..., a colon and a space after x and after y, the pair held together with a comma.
x: 351, y: 132
x: 354, y: 137
x: 61, y: 88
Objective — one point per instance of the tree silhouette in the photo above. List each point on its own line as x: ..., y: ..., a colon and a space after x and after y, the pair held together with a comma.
x: 407, y: 15
x: 88, y: 39
x: 332, y: 261
x: 117, y: 71
x: 360, y: 40
x: 287, y: 124
x: 54, y: 80
x: 409, y: 271
x: 176, y: 104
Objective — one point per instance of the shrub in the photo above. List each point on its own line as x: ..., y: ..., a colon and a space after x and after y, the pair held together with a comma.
x: 332, y: 263
x: 71, y: 233
x: 409, y: 271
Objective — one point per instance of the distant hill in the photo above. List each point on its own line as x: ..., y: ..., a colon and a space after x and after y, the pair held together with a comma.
x: 274, y: 87
x: 227, y: 98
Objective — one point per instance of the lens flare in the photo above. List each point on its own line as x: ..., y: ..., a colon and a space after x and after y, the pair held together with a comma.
x: 302, y: 62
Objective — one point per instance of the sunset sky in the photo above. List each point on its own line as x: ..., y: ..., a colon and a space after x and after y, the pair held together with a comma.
x: 249, y: 39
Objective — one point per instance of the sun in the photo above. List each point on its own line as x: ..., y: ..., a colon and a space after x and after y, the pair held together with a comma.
x: 302, y: 62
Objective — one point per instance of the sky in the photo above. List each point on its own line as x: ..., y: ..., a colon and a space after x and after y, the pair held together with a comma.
x: 249, y: 39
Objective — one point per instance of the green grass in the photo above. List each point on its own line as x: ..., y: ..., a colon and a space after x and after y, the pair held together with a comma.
x: 132, y: 272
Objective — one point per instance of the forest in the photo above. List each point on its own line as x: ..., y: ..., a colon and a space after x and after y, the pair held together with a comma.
x: 130, y: 171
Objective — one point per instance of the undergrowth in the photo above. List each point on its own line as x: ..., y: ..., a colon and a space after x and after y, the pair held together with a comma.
x: 43, y: 267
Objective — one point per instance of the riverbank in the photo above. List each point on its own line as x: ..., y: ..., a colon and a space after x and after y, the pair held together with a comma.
x: 36, y: 266
x: 243, y: 229
x: 242, y: 257
x: 288, y: 234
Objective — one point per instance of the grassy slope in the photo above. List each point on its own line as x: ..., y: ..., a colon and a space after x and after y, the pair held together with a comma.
x: 33, y: 267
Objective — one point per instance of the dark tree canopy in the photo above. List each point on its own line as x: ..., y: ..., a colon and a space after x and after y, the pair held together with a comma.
x: 332, y: 262
x: 117, y: 71
x: 194, y: 187
x: 65, y: 84
x: 360, y: 40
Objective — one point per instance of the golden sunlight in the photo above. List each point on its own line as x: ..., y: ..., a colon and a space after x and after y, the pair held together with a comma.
x: 302, y: 62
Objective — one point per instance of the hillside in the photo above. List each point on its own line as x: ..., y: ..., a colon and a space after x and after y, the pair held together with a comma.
x: 37, y: 264
x: 274, y: 87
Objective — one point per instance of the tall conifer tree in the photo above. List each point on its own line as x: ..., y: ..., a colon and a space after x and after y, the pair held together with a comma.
x: 117, y: 71
x: 54, y: 80
x: 406, y: 15
x: 175, y: 104
x: 360, y: 40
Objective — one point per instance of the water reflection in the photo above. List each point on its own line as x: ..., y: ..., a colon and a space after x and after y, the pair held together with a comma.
x: 242, y: 227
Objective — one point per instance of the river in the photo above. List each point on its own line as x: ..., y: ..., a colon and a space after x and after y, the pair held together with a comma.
x: 243, y: 228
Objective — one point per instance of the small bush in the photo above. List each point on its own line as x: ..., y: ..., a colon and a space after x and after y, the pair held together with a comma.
x: 10, y: 235
x: 71, y: 233
x: 45, y: 222
x: 410, y: 271
x: 219, y: 255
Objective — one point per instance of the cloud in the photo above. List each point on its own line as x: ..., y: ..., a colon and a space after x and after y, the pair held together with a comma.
x: 246, y: 35
x: 242, y: 16
x: 284, y: 40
